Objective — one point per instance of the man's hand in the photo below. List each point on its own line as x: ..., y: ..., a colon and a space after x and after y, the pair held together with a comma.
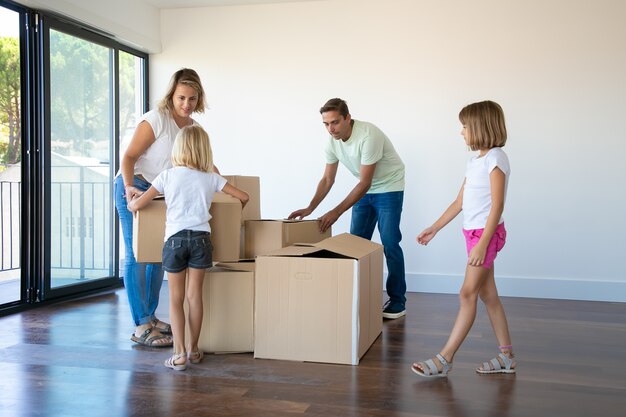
x: 328, y: 220
x: 300, y: 214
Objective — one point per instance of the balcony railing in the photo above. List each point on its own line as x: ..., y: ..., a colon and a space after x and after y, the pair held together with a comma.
x: 80, y: 226
x: 10, y: 225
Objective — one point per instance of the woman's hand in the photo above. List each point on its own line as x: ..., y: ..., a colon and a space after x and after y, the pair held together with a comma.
x: 132, y: 192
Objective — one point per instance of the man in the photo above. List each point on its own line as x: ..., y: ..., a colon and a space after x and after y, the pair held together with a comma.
x: 377, y: 197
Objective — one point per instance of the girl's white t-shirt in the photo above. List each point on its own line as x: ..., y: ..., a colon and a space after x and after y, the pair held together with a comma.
x: 188, y: 196
x: 477, y: 190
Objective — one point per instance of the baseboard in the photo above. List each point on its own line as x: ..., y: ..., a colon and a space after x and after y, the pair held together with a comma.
x: 556, y: 288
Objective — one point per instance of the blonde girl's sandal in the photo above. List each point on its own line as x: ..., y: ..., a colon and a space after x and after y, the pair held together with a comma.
x: 171, y: 362
x: 430, y: 370
x: 501, y: 364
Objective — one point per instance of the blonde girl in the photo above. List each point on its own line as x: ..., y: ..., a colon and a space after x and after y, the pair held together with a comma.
x: 481, y: 199
x: 188, y: 188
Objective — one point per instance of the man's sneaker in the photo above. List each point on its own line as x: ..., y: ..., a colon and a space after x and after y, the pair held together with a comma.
x: 393, y: 310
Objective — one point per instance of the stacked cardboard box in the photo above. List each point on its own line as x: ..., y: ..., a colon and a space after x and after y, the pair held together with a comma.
x: 228, y: 297
x: 250, y: 185
x: 307, y: 297
x: 226, y: 219
x: 265, y: 236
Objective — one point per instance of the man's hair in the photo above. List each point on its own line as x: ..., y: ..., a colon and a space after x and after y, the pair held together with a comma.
x: 336, y: 104
x: 188, y: 77
x: 484, y: 125
x: 192, y: 149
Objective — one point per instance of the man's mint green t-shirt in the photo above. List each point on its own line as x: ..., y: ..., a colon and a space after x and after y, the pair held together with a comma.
x: 369, y: 145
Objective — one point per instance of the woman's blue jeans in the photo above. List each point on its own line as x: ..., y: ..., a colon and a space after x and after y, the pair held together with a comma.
x: 386, y: 209
x: 142, y: 281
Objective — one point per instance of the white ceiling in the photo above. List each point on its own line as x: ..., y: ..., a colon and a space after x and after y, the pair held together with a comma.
x: 179, y: 4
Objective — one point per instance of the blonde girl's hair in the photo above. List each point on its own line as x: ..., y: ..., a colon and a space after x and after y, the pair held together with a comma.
x: 185, y: 76
x: 192, y: 149
x: 484, y: 125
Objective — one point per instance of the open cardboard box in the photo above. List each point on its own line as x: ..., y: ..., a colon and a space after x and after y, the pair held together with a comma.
x: 319, y: 302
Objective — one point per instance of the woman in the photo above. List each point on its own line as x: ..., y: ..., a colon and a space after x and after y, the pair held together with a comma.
x: 147, y: 155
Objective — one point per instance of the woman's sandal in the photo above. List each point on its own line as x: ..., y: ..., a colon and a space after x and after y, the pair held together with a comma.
x: 430, y: 370
x: 501, y: 364
x: 196, y: 357
x: 152, y: 340
x: 171, y: 362
x: 164, y: 328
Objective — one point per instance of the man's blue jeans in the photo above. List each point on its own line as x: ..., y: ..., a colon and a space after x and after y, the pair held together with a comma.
x: 142, y: 281
x: 386, y: 209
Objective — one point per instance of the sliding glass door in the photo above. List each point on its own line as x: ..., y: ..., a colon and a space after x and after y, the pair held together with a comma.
x: 81, y: 144
x: 69, y: 95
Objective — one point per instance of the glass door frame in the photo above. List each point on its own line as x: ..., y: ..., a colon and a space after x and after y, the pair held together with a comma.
x: 43, y: 158
x: 26, y: 103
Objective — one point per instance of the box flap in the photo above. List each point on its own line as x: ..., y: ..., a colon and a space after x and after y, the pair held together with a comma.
x: 241, y: 265
x: 283, y: 220
x: 297, y: 220
x: 294, y: 250
x: 348, y: 245
x: 345, y: 244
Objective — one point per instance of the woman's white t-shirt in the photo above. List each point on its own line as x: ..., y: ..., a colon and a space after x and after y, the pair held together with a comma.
x: 157, y: 157
x: 188, y: 196
x: 477, y: 190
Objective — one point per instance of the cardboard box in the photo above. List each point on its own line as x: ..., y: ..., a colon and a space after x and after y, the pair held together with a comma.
x: 320, y: 302
x: 149, y: 229
x: 228, y: 299
x: 251, y: 185
x: 265, y: 236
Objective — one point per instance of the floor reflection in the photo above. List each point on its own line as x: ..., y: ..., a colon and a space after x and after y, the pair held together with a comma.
x: 465, y: 400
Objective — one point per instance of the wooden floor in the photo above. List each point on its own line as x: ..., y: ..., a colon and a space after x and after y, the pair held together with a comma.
x: 76, y: 359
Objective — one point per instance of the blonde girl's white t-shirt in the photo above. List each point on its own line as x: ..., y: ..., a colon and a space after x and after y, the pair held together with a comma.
x: 157, y: 158
x: 477, y: 190
x: 366, y: 146
x: 188, y: 196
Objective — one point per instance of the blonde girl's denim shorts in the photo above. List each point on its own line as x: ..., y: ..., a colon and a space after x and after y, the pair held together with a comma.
x: 187, y: 249
x: 495, y: 244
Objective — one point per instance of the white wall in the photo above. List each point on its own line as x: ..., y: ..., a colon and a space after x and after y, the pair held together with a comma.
x: 557, y: 68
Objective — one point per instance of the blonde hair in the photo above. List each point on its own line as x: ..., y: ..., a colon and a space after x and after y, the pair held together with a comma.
x: 188, y: 77
x: 192, y: 149
x: 484, y: 125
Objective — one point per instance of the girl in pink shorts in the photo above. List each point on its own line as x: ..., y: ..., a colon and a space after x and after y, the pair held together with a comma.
x: 472, y: 237
x: 481, y: 199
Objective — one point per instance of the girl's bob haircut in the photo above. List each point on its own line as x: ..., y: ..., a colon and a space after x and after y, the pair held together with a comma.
x: 484, y: 125
x: 192, y: 149
x: 188, y: 77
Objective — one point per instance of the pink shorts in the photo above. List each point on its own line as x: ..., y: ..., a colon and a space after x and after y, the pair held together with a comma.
x: 495, y: 244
